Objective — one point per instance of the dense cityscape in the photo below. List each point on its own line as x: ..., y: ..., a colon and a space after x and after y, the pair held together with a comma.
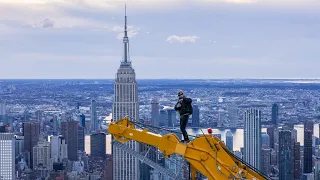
x: 42, y: 115
x: 58, y: 129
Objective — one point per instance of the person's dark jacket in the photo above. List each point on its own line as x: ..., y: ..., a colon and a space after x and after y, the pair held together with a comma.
x: 183, y: 110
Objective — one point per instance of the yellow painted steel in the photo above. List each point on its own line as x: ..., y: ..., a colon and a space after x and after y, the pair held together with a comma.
x: 212, y: 161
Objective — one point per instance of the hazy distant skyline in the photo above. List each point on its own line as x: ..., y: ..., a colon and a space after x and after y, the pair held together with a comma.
x: 187, y: 39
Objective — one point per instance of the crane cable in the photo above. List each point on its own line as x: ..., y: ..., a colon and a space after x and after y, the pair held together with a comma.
x: 182, y: 166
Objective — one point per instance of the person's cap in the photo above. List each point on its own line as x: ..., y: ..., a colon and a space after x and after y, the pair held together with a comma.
x: 180, y: 93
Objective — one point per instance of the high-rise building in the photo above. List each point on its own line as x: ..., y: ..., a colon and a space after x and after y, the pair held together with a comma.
x: 196, y: 116
x: 221, y: 118
x: 98, y: 145
x: 69, y: 130
x: 41, y: 155
x: 229, y: 141
x: 307, y: 152
x: 273, y: 158
x: 317, y: 170
x: 7, y: 156
x: 275, y: 114
x: 252, y: 137
x: 58, y: 149
x: 82, y: 120
x: 265, y: 159
x: 2, y: 108
x: 55, y: 125
x: 163, y: 118
x: 233, y: 115
x: 94, y: 118
x: 31, y: 132
x: 294, y: 135
x: 155, y: 112
x: 265, y: 139
x: 81, y: 136
x: 19, y: 140
x: 172, y: 117
x: 125, y: 166
x: 285, y: 155
x: 3, y: 129
x: 297, y: 161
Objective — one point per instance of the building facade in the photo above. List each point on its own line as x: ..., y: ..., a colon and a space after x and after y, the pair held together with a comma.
x: 155, y: 112
x: 196, y: 116
x: 58, y: 148
x: 94, y: 118
x: 307, y: 152
x: 252, y: 137
x: 69, y: 130
x: 98, y: 145
x: 41, y: 155
x: 285, y: 155
x: 125, y: 166
x: 7, y: 156
x: 31, y: 133
x: 229, y: 140
x: 275, y: 114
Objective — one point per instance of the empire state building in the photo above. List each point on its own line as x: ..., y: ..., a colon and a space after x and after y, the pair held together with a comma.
x: 125, y: 166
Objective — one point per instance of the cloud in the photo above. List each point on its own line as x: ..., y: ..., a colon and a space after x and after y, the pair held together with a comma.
x: 182, y: 39
x: 42, y: 23
x: 132, y: 31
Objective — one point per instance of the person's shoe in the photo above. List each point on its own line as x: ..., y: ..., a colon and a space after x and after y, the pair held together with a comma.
x: 185, y: 141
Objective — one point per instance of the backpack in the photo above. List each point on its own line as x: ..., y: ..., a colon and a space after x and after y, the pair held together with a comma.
x: 189, y: 108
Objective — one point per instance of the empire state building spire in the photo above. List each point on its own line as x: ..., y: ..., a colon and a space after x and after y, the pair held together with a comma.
x: 126, y: 60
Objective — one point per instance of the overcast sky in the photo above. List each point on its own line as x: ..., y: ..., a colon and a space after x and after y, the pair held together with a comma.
x: 168, y: 38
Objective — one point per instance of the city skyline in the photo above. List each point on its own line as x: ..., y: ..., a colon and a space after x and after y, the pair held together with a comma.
x: 211, y: 39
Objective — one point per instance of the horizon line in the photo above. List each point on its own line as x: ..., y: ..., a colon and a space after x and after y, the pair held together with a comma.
x: 162, y: 79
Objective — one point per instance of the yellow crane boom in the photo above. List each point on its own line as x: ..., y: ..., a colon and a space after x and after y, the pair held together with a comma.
x: 206, y: 154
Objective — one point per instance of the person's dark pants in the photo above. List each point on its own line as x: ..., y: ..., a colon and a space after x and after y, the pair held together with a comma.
x: 183, y: 123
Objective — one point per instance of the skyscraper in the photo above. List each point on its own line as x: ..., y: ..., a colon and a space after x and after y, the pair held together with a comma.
x: 233, y: 115
x: 171, y: 117
x: 307, y: 152
x: 58, y: 148
x: 125, y: 166
x: 252, y: 137
x: 155, y: 112
x: 31, y: 132
x: 94, y: 118
x: 229, y: 140
x: 7, y: 156
x: 285, y: 155
x: 297, y: 161
x: 270, y: 132
x: 265, y: 159
x: 196, y: 116
x: 98, y: 145
x: 317, y: 170
x: 163, y: 120
x: 265, y: 139
x: 69, y: 130
x: 82, y: 120
x: 41, y: 155
x: 80, y: 138
x: 275, y: 114
x: 221, y: 118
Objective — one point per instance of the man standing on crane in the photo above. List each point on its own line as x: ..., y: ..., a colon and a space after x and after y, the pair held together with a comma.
x: 185, y: 110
